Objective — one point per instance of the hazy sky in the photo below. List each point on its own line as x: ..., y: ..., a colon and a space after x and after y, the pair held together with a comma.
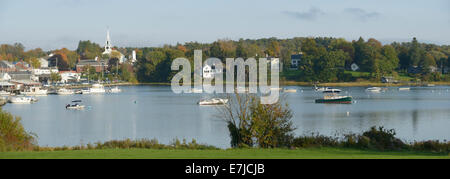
x: 52, y: 24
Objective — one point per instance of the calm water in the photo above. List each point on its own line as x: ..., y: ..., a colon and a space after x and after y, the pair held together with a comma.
x: 155, y: 112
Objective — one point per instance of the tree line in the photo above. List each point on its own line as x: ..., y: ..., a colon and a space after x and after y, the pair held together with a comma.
x: 324, y: 59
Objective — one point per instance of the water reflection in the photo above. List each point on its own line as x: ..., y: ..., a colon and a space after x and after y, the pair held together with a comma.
x: 155, y: 112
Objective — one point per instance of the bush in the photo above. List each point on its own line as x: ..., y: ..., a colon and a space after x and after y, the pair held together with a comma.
x: 252, y: 123
x: 314, y: 140
x: 383, y: 139
x: 431, y: 145
x: 13, y: 136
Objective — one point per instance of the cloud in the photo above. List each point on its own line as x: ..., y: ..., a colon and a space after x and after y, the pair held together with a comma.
x: 312, y: 14
x: 362, y: 14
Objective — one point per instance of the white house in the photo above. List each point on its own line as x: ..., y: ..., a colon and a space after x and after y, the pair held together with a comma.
x: 44, y: 71
x: 69, y: 76
x: 210, y: 71
x: 5, y: 77
x: 43, y: 62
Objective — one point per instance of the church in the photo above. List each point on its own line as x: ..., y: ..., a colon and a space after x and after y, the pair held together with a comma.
x: 108, y: 48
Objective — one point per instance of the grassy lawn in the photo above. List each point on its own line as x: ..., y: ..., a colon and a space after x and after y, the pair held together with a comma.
x: 310, y: 153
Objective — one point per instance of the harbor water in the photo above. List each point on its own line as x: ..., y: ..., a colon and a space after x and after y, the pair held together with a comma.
x: 421, y: 113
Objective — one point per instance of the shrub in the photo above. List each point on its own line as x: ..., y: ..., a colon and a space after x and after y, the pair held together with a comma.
x: 252, y: 123
x: 314, y: 140
x: 13, y: 136
x: 383, y: 139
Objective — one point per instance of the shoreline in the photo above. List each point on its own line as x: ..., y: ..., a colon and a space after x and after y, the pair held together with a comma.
x: 296, y: 83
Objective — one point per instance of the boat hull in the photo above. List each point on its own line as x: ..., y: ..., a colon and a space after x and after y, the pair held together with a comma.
x: 345, y: 100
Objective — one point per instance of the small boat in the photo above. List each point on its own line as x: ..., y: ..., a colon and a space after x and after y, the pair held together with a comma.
x: 213, y: 101
x: 64, y: 91
x: 286, y: 90
x: 22, y: 100
x: 4, y: 93
x: 97, y: 88
x: 115, y: 90
x: 75, y: 105
x: 374, y: 89
x: 333, y: 97
x: 321, y: 89
x: 404, y: 89
x: 196, y: 90
x: 332, y: 90
x: 35, y: 91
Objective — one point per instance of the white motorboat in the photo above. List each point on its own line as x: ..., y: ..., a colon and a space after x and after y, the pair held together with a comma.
x: 64, y: 91
x: 404, y: 89
x: 4, y: 93
x: 213, y: 101
x: 115, y: 90
x: 321, y: 89
x: 35, y: 91
x: 287, y: 90
x: 326, y: 89
x: 374, y: 89
x: 97, y: 88
x: 331, y: 90
x: 22, y: 99
x: 75, y: 105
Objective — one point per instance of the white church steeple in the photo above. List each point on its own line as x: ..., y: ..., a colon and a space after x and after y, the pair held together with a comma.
x: 108, y: 46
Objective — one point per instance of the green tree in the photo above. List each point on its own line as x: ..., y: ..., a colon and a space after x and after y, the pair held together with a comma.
x: 273, y: 49
x: 13, y: 136
x: 427, y: 63
x: 55, y: 77
x: 252, y: 123
x: 415, y: 53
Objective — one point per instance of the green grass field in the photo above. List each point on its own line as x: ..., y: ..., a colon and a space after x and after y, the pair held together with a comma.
x: 310, y: 153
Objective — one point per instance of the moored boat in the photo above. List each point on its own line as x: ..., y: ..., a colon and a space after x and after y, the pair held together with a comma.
x: 97, y: 88
x: 331, y: 96
x: 115, y: 90
x: 336, y: 100
x: 75, y: 105
x: 213, y: 101
x: 34, y: 91
x: 4, y: 93
x: 374, y: 89
x: 64, y: 91
x: 290, y: 90
x: 22, y: 99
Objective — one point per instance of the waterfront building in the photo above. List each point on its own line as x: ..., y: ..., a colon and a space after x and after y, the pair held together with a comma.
x: 6, y: 66
x: 99, y: 64
x: 109, y: 50
x: 296, y: 59
x: 70, y: 76
x: 210, y: 71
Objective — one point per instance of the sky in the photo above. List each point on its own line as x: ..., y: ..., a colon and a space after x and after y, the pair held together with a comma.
x: 54, y: 24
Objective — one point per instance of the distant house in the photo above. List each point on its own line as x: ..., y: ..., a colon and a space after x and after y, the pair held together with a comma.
x: 99, y: 64
x: 44, y: 71
x: 44, y: 62
x: 414, y: 69
x: 20, y: 75
x: 417, y: 69
x: 210, y: 71
x: 296, y: 59
x: 22, y: 65
x: 6, y: 66
x: 5, y: 77
x: 69, y: 76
